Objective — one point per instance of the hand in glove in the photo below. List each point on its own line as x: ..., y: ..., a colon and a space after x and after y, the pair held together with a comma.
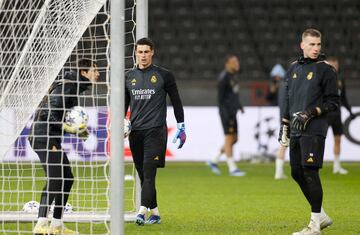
x: 284, y: 134
x: 180, y: 134
x: 82, y: 132
x: 301, y: 119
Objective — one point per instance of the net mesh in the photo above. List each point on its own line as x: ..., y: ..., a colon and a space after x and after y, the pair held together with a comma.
x: 41, y: 40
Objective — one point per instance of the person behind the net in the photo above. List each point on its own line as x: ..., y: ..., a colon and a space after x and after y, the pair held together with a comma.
x: 311, y: 93
x: 45, y: 138
x: 229, y: 104
x: 275, y: 96
x: 146, y: 89
x: 334, y: 118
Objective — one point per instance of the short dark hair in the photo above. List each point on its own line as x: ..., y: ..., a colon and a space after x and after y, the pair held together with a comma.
x: 145, y: 41
x: 311, y: 32
x: 229, y: 56
x: 85, y: 64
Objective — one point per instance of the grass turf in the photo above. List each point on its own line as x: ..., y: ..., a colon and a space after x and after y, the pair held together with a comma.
x: 194, y: 201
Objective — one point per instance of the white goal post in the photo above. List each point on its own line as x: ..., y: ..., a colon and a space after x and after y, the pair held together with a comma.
x: 39, y: 41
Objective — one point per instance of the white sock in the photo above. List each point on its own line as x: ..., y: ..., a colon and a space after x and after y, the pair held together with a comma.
x: 56, y: 222
x: 337, y: 162
x: 315, y: 218
x: 142, y: 210
x: 216, y: 158
x: 231, y: 164
x: 155, y: 211
x: 42, y: 220
x: 279, y: 166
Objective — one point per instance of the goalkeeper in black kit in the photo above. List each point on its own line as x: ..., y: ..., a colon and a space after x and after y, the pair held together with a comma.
x: 311, y: 93
x: 146, y: 88
x: 45, y: 138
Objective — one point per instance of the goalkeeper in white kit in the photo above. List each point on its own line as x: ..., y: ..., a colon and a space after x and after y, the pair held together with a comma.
x: 45, y: 139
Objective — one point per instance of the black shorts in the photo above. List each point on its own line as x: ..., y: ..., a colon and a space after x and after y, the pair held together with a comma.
x: 229, y: 123
x: 149, y: 146
x: 307, y: 151
x: 334, y: 121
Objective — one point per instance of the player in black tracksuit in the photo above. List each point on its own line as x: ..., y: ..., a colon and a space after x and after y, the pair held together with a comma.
x: 146, y: 88
x: 229, y: 104
x: 46, y: 135
x: 311, y: 93
x: 334, y: 119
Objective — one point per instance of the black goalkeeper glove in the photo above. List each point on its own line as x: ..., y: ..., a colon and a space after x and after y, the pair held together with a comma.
x: 284, y: 134
x: 301, y: 119
x: 83, y: 134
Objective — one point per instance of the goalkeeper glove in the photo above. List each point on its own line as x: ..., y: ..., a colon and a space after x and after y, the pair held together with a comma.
x: 302, y: 118
x: 284, y: 134
x: 180, y: 134
x: 82, y: 132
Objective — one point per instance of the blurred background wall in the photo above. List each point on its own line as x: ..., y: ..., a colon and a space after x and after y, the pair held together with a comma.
x: 192, y: 38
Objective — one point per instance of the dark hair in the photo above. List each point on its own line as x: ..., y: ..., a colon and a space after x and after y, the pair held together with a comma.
x: 311, y: 32
x: 145, y: 41
x: 229, y: 56
x: 85, y: 64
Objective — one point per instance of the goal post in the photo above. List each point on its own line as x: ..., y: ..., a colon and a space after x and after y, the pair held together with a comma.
x: 40, y: 41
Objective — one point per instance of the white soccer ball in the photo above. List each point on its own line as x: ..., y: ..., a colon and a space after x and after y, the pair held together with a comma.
x: 31, y: 207
x: 76, y: 118
x: 127, y: 127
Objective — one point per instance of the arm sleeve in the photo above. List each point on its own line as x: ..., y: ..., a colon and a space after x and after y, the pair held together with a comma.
x: 221, y: 91
x: 127, y: 97
x: 331, y: 97
x: 61, y: 98
x: 171, y: 89
x: 343, y: 98
x: 286, y: 111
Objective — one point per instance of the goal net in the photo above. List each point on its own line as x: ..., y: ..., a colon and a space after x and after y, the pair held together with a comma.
x: 40, y: 41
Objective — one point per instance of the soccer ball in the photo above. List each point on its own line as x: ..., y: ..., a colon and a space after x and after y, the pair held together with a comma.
x: 31, y: 207
x: 76, y: 118
x: 127, y: 128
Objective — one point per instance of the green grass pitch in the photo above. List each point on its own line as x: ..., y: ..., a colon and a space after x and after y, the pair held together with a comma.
x: 194, y: 201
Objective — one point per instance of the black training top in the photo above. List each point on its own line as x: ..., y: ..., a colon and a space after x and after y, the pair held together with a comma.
x: 311, y: 83
x: 145, y: 92
x: 228, y: 93
x: 62, y: 96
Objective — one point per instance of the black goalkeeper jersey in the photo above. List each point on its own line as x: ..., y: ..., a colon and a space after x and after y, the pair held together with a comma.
x: 146, y: 91
x: 228, y: 93
x: 62, y: 96
x: 309, y: 84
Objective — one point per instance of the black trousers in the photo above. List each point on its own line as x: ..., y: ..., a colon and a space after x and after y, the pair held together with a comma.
x: 148, y: 148
x: 306, y: 158
x: 58, y: 172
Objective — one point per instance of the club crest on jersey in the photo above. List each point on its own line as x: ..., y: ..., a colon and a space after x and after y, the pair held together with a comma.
x: 156, y: 158
x: 294, y: 76
x: 153, y: 79
x: 133, y: 82
x: 309, y: 76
